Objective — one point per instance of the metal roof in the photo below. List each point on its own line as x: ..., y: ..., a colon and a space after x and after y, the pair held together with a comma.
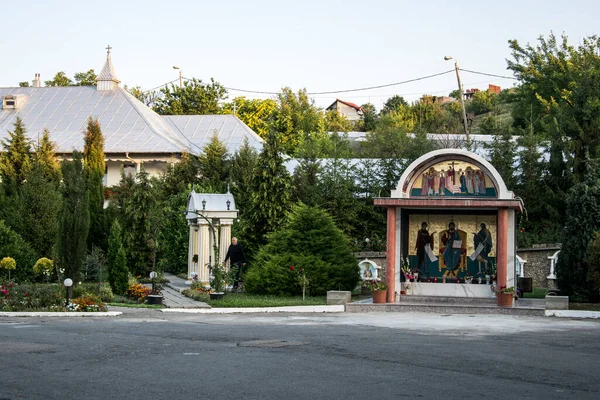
x: 128, y: 125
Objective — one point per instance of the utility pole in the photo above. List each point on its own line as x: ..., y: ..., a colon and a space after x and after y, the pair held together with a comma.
x: 462, y: 101
x: 180, y: 77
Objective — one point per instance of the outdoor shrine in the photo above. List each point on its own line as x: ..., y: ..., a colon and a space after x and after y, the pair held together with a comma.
x: 210, y: 217
x: 450, y: 228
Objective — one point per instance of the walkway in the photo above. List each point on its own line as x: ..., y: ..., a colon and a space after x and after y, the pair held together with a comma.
x: 172, y: 297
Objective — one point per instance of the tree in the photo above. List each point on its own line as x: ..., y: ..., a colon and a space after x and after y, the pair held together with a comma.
x: 117, y: 261
x: 295, y: 116
x: 581, y: 223
x: 174, y: 235
x: 45, y: 156
x: 368, y: 119
x: 74, y: 220
x: 482, y: 102
x: 214, y: 165
x: 180, y: 175
x: 306, y: 174
x: 15, y: 161
x: 193, y: 98
x: 593, y: 262
x: 14, y: 246
x: 243, y: 167
x: 140, y: 235
x: 309, y: 240
x: 86, y: 78
x: 502, y: 150
x: 60, y: 79
x: 336, y: 122
x: 93, y: 159
x: 560, y: 85
x: 394, y: 103
x: 147, y: 97
x: 270, y: 195
x: 255, y: 113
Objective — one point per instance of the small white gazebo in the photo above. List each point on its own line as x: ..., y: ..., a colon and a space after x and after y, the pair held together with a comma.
x: 210, y: 217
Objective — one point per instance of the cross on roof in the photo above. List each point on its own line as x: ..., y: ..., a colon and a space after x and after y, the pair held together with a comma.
x: 108, y: 49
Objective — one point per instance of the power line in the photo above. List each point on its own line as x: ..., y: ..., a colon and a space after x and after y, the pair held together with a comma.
x: 486, y: 74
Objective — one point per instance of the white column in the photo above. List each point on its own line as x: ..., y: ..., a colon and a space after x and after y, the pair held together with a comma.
x: 511, y: 278
x: 203, y: 252
x: 225, y: 237
x: 191, y: 251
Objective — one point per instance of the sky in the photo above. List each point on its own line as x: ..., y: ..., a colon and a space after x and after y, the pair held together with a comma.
x: 264, y: 45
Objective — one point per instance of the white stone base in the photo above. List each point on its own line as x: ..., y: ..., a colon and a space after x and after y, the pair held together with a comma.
x: 451, y: 290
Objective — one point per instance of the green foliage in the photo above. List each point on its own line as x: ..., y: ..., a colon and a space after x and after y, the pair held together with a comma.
x: 593, y: 262
x: 34, y: 297
x: 60, y: 79
x: 94, y: 265
x: 12, y: 245
x: 74, y: 218
x: 482, y: 102
x: 117, y: 261
x: 44, y: 267
x: 174, y: 235
x: 179, y: 176
x: 336, y: 122
x: 582, y: 221
x: 394, y: 103
x: 309, y: 240
x: 502, y: 151
x: 214, y: 165
x: 368, y: 119
x: 255, y: 113
x: 86, y: 78
x: 270, y: 193
x: 242, y: 173
x: 15, y: 160
x: 45, y: 156
x: 93, y: 159
x: 140, y: 234
x: 195, y: 97
x: 8, y: 263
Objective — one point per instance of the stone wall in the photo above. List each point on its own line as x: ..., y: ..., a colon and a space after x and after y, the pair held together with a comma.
x: 537, y: 264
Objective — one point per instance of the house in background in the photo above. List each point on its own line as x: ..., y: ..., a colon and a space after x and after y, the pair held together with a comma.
x: 347, y: 109
x: 134, y: 135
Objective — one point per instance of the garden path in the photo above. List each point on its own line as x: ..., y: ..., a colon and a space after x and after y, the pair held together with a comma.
x: 172, y: 297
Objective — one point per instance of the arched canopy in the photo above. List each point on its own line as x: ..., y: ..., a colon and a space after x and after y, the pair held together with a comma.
x: 451, y: 173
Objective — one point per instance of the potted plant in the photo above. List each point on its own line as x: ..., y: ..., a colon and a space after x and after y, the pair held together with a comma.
x: 506, y: 296
x: 378, y: 291
x: 217, y: 281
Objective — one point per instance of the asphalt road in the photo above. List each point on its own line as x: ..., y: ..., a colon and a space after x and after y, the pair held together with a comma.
x: 146, y: 354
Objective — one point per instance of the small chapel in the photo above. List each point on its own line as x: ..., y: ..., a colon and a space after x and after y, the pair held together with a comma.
x: 451, y: 228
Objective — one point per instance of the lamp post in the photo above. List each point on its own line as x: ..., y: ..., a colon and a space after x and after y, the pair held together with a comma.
x: 180, y: 77
x: 462, y: 100
x: 69, y: 286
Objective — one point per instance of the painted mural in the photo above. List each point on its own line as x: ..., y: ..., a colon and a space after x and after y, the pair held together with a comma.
x: 453, y: 178
x: 451, y: 246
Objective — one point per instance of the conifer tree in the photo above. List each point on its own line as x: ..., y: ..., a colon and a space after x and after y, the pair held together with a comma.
x: 15, y: 160
x: 215, y: 165
x: 271, y: 194
x: 45, y: 156
x: 117, y: 260
x: 242, y: 172
x: 74, y: 220
x: 93, y: 158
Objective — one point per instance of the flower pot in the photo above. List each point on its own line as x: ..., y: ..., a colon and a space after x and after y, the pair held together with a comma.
x: 379, y: 296
x: 154, y: 299
x: 217, y: 296
x: 505, y: 299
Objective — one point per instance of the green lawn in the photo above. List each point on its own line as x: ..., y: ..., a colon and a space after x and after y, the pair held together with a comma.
x: 247, y: 300
x: 538, y: 293
x: 584, y: 306
x: 133, y: 305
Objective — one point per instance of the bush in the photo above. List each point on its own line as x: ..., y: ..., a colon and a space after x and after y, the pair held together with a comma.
x: 31, y: 297
x: 309, y: 240
x: 138, y: 292
x: 87, y: 303
x: 12, y: 245
x: 44, y: 266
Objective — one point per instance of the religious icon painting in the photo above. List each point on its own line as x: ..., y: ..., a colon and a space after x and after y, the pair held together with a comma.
x: 453, y: 178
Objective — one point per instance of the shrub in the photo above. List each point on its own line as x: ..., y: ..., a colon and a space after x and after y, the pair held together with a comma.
x: 29, y: 297
x: 9, y: 264
x: 87, y: 303
x: 13, y: 245
x: 309, y: 240
x: 117, y: 261
x: 138, y: 292
x: 44, y: 266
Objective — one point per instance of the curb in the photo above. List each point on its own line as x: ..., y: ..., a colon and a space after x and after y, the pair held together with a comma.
x: 61, y: 314
x: 291, y: 309
x: 573, y: 314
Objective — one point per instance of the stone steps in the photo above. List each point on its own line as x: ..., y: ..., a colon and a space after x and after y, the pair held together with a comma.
x: 444, y: 308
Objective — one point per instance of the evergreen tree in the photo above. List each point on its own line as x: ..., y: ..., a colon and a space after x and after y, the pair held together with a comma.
x: 306, y: 174
x: 139, y: 209
x: 215, y: 165
x: 179, y: 176
x: 117, y: 261
x: 309, y: 240
x: 270, y: 193
x: 45, y: 156
x: 15, y: 161
x: 74, y: 220
x: 174, y: 235
x: 93, y: 158
x: 242, y: 172
x: 14, y: 246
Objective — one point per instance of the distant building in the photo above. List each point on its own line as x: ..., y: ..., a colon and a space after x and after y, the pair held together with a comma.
x: 429, y: 99
x: 347, y: 109
x: 133, y: 133
x: 491, y: 89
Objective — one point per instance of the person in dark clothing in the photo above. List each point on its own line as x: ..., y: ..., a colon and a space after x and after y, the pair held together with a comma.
x: 235, y: 255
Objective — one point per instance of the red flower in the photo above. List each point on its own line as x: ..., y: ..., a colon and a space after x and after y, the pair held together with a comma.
x: 291, y: 267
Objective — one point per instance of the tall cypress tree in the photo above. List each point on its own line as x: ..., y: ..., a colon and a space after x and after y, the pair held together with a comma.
x: 74, y: 219
x: 271, y: 194
x: 117, y: 260
x: 45, y: 156
x: 15, y: 160
x: 93, y: 158
x: 215, y: 165
x: 244, y: 162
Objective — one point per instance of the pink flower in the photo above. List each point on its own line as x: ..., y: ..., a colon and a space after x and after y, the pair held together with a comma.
x: 291, y: 267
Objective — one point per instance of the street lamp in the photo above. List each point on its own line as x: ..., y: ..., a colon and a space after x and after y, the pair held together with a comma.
x: 69, y: 285
x: 462, y: 100
x: 180, y: 77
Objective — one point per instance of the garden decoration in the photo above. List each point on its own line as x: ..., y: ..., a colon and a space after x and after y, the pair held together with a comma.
x: 9, y: 264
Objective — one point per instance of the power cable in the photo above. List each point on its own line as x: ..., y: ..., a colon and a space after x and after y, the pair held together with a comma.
x: 486, y: 74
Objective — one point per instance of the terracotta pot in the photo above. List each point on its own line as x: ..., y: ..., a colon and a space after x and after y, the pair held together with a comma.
x: 505, y: 299
x: 379, y: 296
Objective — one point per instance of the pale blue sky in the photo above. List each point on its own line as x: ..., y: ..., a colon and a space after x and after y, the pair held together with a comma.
x: 264, y: 45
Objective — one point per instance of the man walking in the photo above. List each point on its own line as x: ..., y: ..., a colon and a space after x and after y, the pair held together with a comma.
x: 235, y: 255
